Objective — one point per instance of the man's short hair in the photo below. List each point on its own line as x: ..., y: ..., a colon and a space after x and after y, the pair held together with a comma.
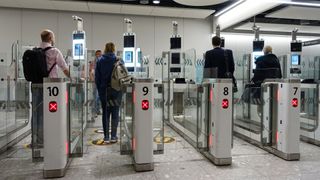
x: 46, y: 35
x: 216, y: 41
x: 98, y: 51
x: 267, y: 49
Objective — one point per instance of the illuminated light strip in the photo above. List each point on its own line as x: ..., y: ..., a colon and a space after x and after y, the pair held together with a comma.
x: 67, y: 147
x: 67, y: 97
x: 277, y: 1
x: 297, y: 3
x: 229, y: 7
x: 277, y: 136
x: 211, y: 95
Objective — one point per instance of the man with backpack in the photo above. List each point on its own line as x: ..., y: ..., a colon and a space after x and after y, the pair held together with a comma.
x: 40, y: 63
x: 109, y: 91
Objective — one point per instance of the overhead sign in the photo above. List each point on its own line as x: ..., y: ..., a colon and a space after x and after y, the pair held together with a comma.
x: 311, y: 43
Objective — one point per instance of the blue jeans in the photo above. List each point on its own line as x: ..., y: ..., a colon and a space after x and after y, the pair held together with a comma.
x: 110, y: 102
x: 37, y: 116
x: 96, y: 105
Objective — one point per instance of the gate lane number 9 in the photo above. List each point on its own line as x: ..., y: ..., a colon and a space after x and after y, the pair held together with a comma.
x: 145, y: 102
x: 53, y: 105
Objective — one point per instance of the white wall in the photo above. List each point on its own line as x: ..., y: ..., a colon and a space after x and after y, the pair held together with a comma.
x: 242, y: 44
x: 153, y: 33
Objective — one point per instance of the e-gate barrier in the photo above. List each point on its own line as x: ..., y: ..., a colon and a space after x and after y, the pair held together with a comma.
x: 141, y: 122
x: 273, y: 120
x: 220, y: 121
x: 55, y: 102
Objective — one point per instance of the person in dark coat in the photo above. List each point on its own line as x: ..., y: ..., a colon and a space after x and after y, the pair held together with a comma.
x: 110, y: 98
x: 267, y: 66
x: 216, y: 58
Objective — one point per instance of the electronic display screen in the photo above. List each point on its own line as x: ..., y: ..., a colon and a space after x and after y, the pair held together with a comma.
x: 295, y: 59
x: 256, y: 57
x: 222, y: 42
x: 130, y: 69
x: 296, y: 47
x: 175, y: 43
x: 78, y: 36
x: 128, y: 57
x: 78, y: 49
x: 258, y: 46
x: 175, y: 58
x: 128, y: 41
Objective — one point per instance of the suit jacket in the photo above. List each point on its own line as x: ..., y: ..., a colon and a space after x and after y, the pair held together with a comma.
x: 215, y: 58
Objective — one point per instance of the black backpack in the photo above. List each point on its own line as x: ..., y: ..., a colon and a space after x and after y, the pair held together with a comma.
x: 35, y: 65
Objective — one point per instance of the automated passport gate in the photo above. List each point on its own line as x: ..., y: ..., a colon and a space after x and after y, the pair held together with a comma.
x: 309, y: 115
x: 55, y: 103
x: 202, y: 114
x: 219, y: 121
x: 285, y: 126
x: 278, y: 132
x: 137, y: 113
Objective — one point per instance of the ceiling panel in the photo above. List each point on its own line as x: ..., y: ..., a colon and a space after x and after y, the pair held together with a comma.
x: 200, y: 2
x: 280, y: 27
x: 9, y: 3
x: 171, y: 12
x: 191, y: 13
x: 36, y: 4
x: 70, y: 6
x: 297, y: 12
x: 116, y: 8
x: 136, y: 10
x: 104, y: 8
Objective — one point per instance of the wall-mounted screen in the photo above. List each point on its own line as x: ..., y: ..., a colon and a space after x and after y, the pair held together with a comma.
x: 128, y: 57
x: 78, y: 36
x: 175, y: 43
x: 254, y: 57
x: 175, y: 58
x: 258, y: 46
x: 296, y: 47
x: 295, y: 59
x: 128, y: 41
x: 78, y: 49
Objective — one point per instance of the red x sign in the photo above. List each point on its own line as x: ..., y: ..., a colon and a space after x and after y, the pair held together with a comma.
x: 145, y: 105
x: 53, y: 106
x: 294, y: 102
x: 225, y: 103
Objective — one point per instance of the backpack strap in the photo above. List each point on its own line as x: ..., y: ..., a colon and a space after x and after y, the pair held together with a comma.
x: 52, y: 68
x: 47, y: 48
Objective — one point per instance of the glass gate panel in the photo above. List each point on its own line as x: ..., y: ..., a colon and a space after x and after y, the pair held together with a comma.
x: 158, y: 119
x: 309, y: 112
x: 203, y: 117
x: 126, y: 120
x: 76, y: 118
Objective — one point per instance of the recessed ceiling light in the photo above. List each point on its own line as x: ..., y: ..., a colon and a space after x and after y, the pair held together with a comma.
x: 156, y: 1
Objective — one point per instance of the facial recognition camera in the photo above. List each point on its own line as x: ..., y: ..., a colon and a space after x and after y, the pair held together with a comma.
x: 174, y: 23
x: 77, y: 18
x: 126, y: 20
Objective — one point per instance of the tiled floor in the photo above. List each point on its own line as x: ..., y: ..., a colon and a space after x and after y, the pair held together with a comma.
x: 179, y: 161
